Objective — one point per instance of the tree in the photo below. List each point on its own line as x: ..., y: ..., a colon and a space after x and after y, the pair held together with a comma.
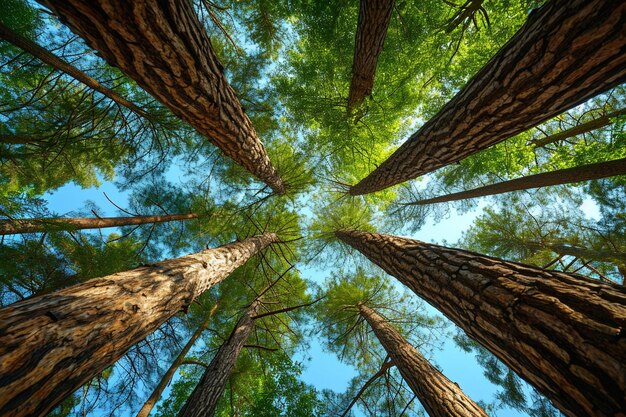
x: 519, y: 88
x: 191, y: 72
x: 115, y: 311
x: 144, y: 411
x: 204, y: 398
x: 439, y: 396
x: 50, y: 59
x: 374, y: 17
x: 17, y: 226
x: 580, y: 129
x: 558, y: 177
x: 542, y: 324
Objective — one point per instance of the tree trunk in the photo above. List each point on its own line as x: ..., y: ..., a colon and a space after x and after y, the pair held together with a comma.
x: 578, y: 130
x: 563, y: 333
x: 180, y: 360
x: 374, y: 17
x: 165, y: 49
x: 17, y: 139
x: 204, y: 398
x: 562, y: 248
x: 439, y: 396
x: 567, y: 52
x: 52, y: 344
x: 56, y: 62
x: 16, y: 226
x: 561, y: 176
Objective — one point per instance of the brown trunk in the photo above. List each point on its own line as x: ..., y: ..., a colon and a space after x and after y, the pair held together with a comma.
x: 16, y: 226
x: 439, y: 396
x: 561, y: 176
x: 204, y: 398
x: 52, y: 344
x: 578, y: 130
x: 563, y: 333
x: 56, y: 62
x: 567, y: 52
x: 165, y: 49
x: 180, y: 360
x: 374, y: 17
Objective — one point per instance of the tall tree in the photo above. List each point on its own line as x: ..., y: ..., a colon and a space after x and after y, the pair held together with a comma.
x: 49, y: 58
x: 183, y: 69
x: 439, y: 396
x: 519, y: 88
x: 374, y: 17
x: 146, y: 408
x: 17, y: 226
x: 543, y: 324
x: 50, y: 345
x: 561, y: 176
x: 203, y: 401
x: 585, y: 127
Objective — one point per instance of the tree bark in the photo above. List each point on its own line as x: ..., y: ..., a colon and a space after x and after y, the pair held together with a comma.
x: 180, y: 360
x: 562, y: 248
x: 203, y: 400
x: 561, y: 176
x: 165, y: 49
x: 374, y: 17
x: 567, y: 52
x: 561, y: 332
x: 52, y: 344
x: 56, y: 62
x: 439, y: 396
x: 578, y: 130
x: 17, y: 226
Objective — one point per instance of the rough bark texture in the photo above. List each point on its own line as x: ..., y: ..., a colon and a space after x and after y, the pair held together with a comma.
x: 374, y: 17
x: 16, y: 226
x: 180, y: 360
x: 567, y: 52
x: 204, y: 398
x: 164, y: 48
x: 563, y: 333
x: 439, y: 396
x: 56, y: 62
x: 52, y: 344
x: 561, y: 176
x: 579, y: 130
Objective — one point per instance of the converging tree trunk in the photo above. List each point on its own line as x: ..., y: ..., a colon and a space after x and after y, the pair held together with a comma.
x: 374, y: 17
x: 561, y: 176
x: 180, y: 360
x: 52, y: 344
x: 56, y: 62
x: 203, y: 400
x: 439, y: 396
x: 16, y: 226
x: 581, y: 252
x: 579, y: 129
x: 563, y: 333
x: 567, y: 52
x: 165, y: 49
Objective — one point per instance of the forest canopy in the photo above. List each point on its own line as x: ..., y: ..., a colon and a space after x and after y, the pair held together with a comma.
x: 312, y: 208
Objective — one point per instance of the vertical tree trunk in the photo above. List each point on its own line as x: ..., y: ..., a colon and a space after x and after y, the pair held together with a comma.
x: 167, y: 377
x: 52, y: 344
x: 561, y: 176
x: 204, y: 398
x: 165, y: 49
x: 578, y: 130
x: 374, y: 17
x: 567, y: 52
x: 16, y: 226
x: 563, y: 333
x: 56, y: 62
x: 439, y: 396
